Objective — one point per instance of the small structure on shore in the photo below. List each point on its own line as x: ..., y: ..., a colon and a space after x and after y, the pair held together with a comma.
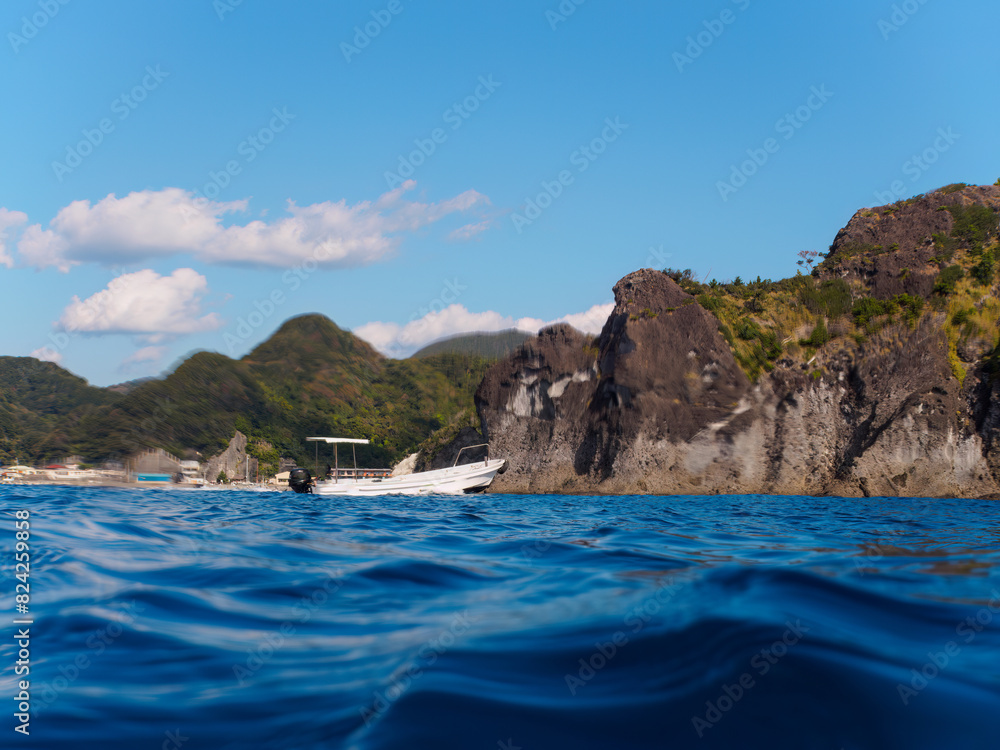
x: 154, y: 465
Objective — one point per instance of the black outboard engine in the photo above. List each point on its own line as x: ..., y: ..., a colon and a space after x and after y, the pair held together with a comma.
x: 300, y: 480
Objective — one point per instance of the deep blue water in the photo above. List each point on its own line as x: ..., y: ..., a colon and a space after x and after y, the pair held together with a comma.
x: 224, y: 619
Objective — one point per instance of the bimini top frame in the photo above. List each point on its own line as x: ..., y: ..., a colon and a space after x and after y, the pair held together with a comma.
x: 338, y: 440
x: 336, y: 463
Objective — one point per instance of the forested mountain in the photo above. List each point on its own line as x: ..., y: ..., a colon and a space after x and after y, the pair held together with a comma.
x: 41, y: 405
x: 310, y: 378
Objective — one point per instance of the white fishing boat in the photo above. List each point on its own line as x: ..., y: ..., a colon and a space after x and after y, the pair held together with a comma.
x: 456, y: 479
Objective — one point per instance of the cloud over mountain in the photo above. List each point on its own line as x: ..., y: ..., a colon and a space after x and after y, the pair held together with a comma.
x: 395, y: 340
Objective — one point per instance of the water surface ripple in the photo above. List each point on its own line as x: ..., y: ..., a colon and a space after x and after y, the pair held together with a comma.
x: 225, y: 619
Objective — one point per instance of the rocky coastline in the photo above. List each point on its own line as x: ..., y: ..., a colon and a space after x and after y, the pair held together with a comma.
x: 897, y: 398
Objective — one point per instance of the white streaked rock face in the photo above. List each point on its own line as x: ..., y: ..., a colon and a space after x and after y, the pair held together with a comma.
x: 638, y: 412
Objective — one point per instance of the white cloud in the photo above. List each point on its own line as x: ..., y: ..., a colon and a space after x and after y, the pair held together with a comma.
x: 148, y: 354
x: 9, y: 220
x: 150, y: 224
x: 145, y: 303
x: 47, y: 354
x: 590, y: 321
x: 470, y: 230
x: 400, y: 341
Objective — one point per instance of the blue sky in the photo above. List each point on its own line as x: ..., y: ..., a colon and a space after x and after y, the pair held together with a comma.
x: 186, y: 175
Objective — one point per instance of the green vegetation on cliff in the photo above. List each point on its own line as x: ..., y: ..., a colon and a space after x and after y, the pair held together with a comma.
x: 862, y: 288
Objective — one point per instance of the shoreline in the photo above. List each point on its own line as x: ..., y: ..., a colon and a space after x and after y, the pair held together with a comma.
x: 142, y: 485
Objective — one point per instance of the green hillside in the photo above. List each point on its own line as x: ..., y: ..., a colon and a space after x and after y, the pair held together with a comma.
x: 310, y: 378
x: 41, y: 405
x: 891, y: 266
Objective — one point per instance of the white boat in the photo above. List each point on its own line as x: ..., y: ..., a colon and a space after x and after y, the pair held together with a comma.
x: 452, y: 480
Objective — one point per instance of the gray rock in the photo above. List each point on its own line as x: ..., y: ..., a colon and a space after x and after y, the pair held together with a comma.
x: 657, y: 404
x: 234, y: 461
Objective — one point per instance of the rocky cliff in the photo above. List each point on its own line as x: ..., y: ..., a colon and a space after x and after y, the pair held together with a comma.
x: 233, y: 461
x: 871, y: 376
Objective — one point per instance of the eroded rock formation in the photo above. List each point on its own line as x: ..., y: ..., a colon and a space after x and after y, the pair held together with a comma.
x: 658, y: 403
x: 234, y: 461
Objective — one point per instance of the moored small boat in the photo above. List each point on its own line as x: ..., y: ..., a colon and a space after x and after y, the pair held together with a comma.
x: 473, y: 477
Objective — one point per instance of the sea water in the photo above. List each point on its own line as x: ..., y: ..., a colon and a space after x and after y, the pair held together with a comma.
x: 226, y: 619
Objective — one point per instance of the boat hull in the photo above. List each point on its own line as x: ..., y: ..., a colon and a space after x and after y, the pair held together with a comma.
x: 454, y: 480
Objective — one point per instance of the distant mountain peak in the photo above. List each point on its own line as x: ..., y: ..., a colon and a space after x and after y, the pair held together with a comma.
x: 488, y: 345
x: 309, y: 341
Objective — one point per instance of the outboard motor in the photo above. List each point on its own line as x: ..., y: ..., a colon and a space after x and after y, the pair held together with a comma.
x: 300, y: 480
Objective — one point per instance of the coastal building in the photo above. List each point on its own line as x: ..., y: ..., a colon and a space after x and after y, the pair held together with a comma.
x: 153, y: 461
x: 19, y: 470
x: 191, y: 470
x: 153, y: 465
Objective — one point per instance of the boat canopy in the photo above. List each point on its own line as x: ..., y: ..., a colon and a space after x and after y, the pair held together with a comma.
x: 338, y: 440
